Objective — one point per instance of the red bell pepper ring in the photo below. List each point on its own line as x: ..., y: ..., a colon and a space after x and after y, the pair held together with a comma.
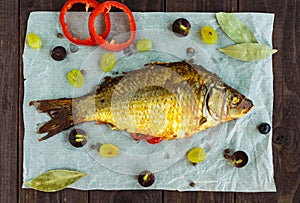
x: 90, y: 41
x: 104, y: 9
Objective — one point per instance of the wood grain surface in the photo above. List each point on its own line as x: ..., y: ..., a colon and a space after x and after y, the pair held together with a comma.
x: 286, y: 115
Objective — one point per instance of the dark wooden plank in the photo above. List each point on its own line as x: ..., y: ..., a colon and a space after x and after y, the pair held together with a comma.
x: 200, y: 6
x: 142, y: 6
x: 9, y: 46
x: 286, y: 100
x: 134, y: 196
x: 216, y: 197
x: 28, y: 195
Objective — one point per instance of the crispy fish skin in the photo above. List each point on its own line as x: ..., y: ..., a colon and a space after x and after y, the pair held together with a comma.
x: 167, y: 100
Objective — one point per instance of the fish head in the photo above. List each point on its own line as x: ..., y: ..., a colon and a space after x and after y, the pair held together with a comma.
x: 225, y: 103
x: 237, y: 104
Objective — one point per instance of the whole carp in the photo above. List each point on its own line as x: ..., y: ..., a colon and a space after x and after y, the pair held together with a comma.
x: 161, y: 101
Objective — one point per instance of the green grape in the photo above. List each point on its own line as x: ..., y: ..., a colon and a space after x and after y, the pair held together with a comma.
x: 34, y: 41
x: 144, y: 45
x: 209, y: 35
x: 76, y: 78
x: 107, y: 62
x: 196, y: 155
x: 108, y: 150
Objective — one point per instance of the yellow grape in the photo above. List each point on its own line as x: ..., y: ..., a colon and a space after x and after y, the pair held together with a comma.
x: 144, y: 45
x: 107, y: 62
x: 209, y: 35
x: 75, y: 78
x: 108, y: 150
x: 196, y: 155
x: 34, y: 41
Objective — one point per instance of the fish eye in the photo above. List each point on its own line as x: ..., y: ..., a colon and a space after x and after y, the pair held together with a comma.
x: 235, y: 99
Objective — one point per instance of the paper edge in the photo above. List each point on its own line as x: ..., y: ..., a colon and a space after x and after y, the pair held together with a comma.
x: 186, y: 13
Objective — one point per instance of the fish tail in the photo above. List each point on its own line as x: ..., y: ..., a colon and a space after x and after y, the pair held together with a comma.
x: 60, y: 111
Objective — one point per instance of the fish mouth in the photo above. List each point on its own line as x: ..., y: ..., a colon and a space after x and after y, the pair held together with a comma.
x: 245, y: 111
x: 248, y: 105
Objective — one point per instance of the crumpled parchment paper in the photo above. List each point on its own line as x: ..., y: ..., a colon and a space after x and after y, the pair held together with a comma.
x: 46, y: 79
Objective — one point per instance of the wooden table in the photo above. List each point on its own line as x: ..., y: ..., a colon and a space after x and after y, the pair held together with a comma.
x: 286, y: 115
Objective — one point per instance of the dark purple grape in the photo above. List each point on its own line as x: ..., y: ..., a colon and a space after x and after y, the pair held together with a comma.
x: 146, y: 178
x: 239, y: 159
x: 78, y: 137
x: 181, y: 27
x: 264, y: 128
x: 59, y: 53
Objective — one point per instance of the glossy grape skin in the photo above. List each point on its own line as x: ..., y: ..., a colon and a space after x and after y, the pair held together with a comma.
x: 144, y: 45
x: 239, y: 159
x: 146, y: 178
x: 78, y: 137
x: 107, y: 61
x: 264, y: 128
x: 59, y: 53
x: 196, y: 155
x: 209, y: 35
x: 33, y: 41
x: 75, y: 78
x: 108, y: 150
x: 181, y: 27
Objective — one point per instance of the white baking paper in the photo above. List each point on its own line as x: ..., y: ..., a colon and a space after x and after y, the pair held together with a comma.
x: 46, y: 79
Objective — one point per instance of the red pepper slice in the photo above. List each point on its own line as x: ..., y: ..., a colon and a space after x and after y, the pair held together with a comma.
x: 155, y: 140
x: 90, y: 41
x: 105, y: 8
x: 150, y: 139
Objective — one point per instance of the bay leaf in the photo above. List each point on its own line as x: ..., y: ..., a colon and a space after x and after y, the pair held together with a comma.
x: 234, y: 28
x: 248, y: 51
x: 54, y: 180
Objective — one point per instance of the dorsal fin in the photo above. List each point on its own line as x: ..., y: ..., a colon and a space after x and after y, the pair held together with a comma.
x: 108, y: 82
x: 167, y: 64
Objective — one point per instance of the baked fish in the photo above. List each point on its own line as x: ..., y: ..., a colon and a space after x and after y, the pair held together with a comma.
x: 161, y: 101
